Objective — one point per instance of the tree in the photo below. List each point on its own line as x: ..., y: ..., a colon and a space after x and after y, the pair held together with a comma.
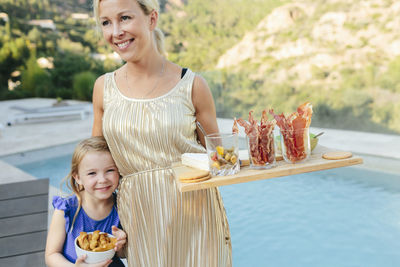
x: 35, y: 80
x: 13, y: 53
x: 83, y: 85
x: 66, y: 65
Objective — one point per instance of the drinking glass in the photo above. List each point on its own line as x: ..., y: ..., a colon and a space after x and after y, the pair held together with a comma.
x: 223, y: 154
x: 295, y: 145
x: 261, y: 151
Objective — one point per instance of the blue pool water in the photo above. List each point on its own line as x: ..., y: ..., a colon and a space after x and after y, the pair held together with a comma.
x: 328, y: 218
x: 55, y: 168
x: 341, y: 217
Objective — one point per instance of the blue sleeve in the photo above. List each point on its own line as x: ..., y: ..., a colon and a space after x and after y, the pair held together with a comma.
x: 66, y: 205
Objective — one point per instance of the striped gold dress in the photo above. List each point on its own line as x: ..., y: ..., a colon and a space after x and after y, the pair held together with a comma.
x: 164, y: 226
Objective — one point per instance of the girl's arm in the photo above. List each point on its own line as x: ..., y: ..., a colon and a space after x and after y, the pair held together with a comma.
x: 205, y: 108
x: 55, y: 241
x: 97, y: 100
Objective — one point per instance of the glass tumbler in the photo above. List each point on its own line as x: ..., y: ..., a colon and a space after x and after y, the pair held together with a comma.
x: 261, y: 151
x: 223, y: 154
x: 295, y: 145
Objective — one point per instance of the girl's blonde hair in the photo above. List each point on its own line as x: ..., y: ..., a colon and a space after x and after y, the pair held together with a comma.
x: 147, y: 6
x: 92, y: 144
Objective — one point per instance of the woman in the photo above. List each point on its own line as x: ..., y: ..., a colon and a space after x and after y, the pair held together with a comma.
x: 146, y: 110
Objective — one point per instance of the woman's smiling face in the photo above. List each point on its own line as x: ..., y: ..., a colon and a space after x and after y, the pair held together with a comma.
x: 126, y: 27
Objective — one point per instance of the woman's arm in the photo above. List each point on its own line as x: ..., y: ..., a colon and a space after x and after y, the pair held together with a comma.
x: 98, y: 110
x: 55, y: 241
x: 204, y: 107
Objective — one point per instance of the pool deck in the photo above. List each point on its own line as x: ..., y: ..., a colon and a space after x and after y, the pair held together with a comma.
x: 28, y: 136
x: 24, y: 137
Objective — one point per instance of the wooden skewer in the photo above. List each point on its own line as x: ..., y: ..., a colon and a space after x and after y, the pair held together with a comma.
x: 321, y: 133
x: 201, y: 128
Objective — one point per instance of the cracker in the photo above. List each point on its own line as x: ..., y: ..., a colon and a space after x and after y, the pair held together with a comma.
x: 192, y: 175
x: 183, y: 179
x: 334, y: 155
x: 244, y: 162
x: 195, y: 180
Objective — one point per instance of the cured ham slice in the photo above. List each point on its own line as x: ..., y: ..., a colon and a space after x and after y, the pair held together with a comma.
x: 294, y: 131
x: 260, y: 138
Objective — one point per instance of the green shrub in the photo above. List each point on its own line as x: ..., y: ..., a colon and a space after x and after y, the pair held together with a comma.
x: 390, y: 80
x: 35, y: 80
x: 83, y: 85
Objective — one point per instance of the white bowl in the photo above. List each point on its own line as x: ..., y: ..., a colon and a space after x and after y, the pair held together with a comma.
x: 94, y: 257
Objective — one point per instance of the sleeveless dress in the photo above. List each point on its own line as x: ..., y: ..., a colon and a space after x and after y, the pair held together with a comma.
x: 164, y: 226
x: 83, y: 223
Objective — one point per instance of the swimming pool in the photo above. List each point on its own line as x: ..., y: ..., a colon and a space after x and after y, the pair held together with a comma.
x: 327, y: 218
x: 341, y: 217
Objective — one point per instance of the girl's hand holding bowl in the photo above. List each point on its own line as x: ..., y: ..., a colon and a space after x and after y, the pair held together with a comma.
x: 121, y: 238
x: 80, y: 262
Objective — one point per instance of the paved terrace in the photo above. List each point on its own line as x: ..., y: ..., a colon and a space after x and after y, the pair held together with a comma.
x: 379, y: 151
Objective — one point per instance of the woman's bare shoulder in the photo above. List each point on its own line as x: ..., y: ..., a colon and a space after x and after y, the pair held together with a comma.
x: 200, y: 87
x: 99, y: 83
x: 97, y: 97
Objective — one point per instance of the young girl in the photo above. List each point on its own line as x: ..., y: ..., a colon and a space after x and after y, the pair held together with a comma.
x: 93, y: 178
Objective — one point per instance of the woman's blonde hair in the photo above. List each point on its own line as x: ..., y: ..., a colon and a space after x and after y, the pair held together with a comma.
x: 92, y: 144
x: 147, y: 6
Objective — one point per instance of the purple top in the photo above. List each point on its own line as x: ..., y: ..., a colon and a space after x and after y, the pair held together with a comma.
x: 83, y: 223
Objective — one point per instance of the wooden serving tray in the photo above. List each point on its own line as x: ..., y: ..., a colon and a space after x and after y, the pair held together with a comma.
x: 314, y: 163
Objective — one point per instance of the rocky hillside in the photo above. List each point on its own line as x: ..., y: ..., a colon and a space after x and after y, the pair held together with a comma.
x: 346, y: 50
x: 348, y: 34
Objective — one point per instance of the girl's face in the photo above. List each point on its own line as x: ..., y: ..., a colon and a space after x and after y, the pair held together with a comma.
x: 98, y: 174
x: 126, y: 28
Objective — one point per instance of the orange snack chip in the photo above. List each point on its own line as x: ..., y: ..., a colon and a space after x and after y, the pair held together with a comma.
x: 96, y: 241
